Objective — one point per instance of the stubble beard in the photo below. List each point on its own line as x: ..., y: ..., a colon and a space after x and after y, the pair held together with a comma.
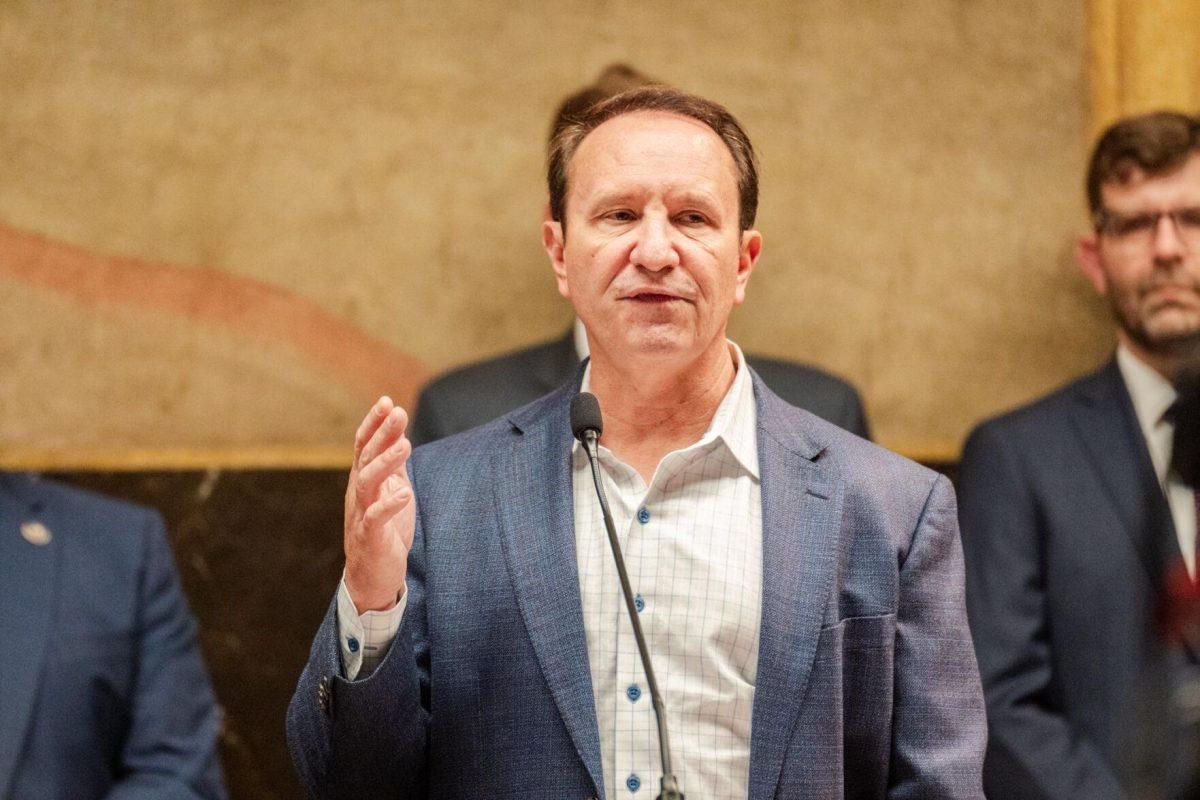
x: 1165, y: 331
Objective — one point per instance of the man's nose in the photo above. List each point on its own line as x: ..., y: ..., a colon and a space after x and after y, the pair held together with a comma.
x: 655, y: 248
x: 1169, y: 246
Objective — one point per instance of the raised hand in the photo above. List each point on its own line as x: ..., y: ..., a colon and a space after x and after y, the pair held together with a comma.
x: 380, y: 510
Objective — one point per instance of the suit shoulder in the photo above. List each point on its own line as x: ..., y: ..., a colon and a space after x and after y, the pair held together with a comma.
x: 55, y: 495
x: 110, y: 536
x: 1042, y: 416
x: 815, y: 390
x: 867, y: 465
x: 466, y: 450
x: 864, y: 466
x: 489, y: 373
x: 886, y: 496
x: 775, y: 371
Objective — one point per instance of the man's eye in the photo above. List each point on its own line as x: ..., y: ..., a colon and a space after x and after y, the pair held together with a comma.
x: 1188, y: 218
x: 621, y: 216
x: 1123, y: 226
x: 693, y: 218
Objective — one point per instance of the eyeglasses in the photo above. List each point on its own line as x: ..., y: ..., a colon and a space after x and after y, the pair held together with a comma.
x: 1139, y: 230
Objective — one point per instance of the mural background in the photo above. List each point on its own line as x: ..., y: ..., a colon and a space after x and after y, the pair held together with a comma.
x: 225, y: 227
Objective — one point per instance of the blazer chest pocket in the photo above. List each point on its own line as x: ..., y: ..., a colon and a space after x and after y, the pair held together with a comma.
x: 854, y: 662
x: 855, y: 641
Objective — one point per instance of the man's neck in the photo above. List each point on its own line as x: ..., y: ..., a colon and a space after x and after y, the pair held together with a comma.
x: 649, y: 412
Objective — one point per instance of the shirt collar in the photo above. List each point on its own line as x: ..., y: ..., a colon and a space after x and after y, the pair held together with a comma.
x: 1152, y: 394
x: 735, y: 423
x: 579, y: 336
x: 736, y: 420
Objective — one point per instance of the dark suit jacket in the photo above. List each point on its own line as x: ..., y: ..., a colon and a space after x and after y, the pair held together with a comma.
x: 477, y: 393
x: 103, y: 692
x: 1067, y: 534
x: 866, y: 684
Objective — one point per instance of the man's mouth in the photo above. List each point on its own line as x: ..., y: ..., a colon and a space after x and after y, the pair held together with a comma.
x: 652, y: 297
x: 1172, y: 294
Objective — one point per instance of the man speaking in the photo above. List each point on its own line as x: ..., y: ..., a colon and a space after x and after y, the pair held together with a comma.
x: 800, y: 589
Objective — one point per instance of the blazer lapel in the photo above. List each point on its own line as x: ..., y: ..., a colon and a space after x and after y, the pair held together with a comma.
x: 802, y: 508
x: 536, y: 508
x: 1107, y: 426
x: 28, y: 592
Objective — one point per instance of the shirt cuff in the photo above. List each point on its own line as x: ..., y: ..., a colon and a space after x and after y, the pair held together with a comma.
x: 365, y: 638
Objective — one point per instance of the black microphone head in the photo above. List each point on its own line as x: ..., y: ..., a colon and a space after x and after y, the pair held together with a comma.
x: 585, y: 415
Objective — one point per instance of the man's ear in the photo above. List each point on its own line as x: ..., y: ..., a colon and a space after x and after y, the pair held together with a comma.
x: 555, y: 244
x: 748, y: 254
x: 1087, y: 258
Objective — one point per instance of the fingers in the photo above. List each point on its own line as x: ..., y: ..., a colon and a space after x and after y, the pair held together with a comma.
x: 393, y: 501
x: 386, y: 435
x: 387, y: 465
x: 380, y: 509
x: 370, y: 424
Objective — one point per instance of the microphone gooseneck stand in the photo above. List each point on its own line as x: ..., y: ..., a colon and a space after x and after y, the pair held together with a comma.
x: 586, y: 424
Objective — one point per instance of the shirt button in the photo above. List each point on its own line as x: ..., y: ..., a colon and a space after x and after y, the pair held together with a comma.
x: 633, y: 693
x: 633, y: 782
x: 643, y: 515
x: 639, y: 603
x: 352, y: 643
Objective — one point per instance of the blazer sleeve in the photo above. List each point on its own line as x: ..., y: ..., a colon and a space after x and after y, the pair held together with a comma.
x: 1033, y: 752
x: 368, y: 737
x: 171, y: 746
x: 938, y: 725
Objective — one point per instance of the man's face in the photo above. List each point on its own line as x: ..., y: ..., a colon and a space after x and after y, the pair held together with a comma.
x: 1151, y: 277
x: 653, y: 259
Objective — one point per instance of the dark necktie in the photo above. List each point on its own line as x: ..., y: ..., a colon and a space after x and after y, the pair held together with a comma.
x: 1184, y: 414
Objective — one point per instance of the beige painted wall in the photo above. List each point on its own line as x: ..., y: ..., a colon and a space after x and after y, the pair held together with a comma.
x: 229, y: 224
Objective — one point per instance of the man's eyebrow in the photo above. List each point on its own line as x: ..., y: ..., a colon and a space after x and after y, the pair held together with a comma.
x: 612, y: 197
x: 693, y: 197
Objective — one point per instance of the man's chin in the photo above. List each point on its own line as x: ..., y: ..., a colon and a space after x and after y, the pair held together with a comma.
x: 1172, y: 321
x: 1172, y: 334
x: 658, y: 345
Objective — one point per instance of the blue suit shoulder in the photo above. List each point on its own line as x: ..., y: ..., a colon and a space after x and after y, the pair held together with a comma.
x: 491, y: 371
x: 879, y: 484
x: 777, y: 372
x: 1031, y: 423
x: 815, y: 390
x: 86, y: 516
x: 858, y: 461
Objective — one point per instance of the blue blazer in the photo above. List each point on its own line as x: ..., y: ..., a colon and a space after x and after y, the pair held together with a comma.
x: 866, y: 684
x: 102, y: 690
x: 1067, y: 536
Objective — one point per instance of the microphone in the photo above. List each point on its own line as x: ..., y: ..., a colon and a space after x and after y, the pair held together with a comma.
x: 585, y: 417
x: 587, y: 425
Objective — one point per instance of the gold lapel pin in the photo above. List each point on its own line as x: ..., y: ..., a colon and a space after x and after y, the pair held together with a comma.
x: 36, y: 533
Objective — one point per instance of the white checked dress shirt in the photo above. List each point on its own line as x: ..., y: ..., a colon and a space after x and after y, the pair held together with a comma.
x: 692, y: 541
x: 1152, y: 395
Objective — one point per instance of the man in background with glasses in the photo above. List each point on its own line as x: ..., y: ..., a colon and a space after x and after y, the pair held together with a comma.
x: 1075, y: 525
